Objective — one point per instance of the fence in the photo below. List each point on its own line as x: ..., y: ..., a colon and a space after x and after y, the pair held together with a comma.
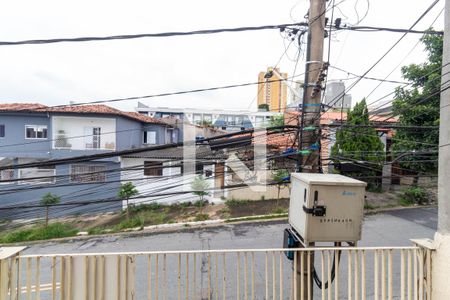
x: 359, y: 273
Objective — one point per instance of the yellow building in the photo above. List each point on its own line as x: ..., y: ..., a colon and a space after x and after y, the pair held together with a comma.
x: 274, y: 93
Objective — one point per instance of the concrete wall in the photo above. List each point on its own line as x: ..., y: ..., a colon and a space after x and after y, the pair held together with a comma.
x: 15, y: 136
x: 129, y: 134
x: 160, y: 133
x: 74, y: 132
x: 16, y: 194
x: 171, y: 181
x: 248, y: 194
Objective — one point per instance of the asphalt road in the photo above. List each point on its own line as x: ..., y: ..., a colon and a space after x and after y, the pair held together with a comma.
x: 393, y: 228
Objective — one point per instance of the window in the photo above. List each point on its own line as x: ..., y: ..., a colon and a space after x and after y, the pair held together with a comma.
x: 36, y: 131
x: 207, y: 117
x: 6, y: 175
x: 199, y: 168
x: 259, y: 121
x: 197, y: 119
x: 39, y: 175
x: 2, y: 130
x: 230, y: 120
x: 153, y: 168
x: 87, y: 173
x: 149, y: 137
x: 92, y: 137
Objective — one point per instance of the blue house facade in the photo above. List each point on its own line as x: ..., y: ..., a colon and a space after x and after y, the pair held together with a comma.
x: 31, y: 133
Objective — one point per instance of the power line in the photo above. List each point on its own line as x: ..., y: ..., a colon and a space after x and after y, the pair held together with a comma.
x: 151, y: 35
x: 385, y: 54
x: 366, y: 77
x: 404, y: 58
x: 54, y: 162
x: 397, y: 30
x: 173, y: 93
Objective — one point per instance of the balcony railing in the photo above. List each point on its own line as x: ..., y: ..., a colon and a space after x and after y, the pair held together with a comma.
x: 358, y: 272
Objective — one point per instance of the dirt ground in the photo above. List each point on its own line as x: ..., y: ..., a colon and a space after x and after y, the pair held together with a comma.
x: 229, y: 209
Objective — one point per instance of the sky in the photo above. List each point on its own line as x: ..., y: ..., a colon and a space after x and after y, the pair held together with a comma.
x: 56, y: 74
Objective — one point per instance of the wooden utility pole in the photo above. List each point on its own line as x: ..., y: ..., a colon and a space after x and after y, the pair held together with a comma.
x: 310, y: 116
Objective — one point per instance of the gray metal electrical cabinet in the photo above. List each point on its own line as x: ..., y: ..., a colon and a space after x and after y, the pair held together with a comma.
x: 326, y: 207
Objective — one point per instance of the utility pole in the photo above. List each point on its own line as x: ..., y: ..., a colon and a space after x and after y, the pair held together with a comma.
x: 310, y: 116
x: 441, y: 260
x: 312, y: 92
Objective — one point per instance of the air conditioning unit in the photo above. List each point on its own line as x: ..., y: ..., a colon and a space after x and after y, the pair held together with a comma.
x: 326, y: 207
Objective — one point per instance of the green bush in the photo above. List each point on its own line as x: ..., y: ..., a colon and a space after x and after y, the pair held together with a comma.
x: 200, y: 203
x: 96, y: 230
x: 280, y: 210
x: 155, y: 218
x: 137, y: 221
x: 201, y: 217
x: 145, y: 207
x: 234, y: 202
x: 185, y: 204
x: 414, y: 195
x: 52, y: 231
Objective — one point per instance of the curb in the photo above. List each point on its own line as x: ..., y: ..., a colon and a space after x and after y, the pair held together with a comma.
x: 184, y: 226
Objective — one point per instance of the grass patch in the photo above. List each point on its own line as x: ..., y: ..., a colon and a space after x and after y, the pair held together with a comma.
x: 137, y: 221
x: 155, y: 217
x: 201, y: 217
x: 280, y: 210
x: 405, y: 202
x: 145, y: 207
x: 96, y: 231
x: 369, y: 206
x: 40, y: 232
x: 413, y: 195
x: 235, y: 203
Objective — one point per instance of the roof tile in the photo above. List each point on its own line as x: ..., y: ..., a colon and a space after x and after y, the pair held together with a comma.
x: 91, y: 109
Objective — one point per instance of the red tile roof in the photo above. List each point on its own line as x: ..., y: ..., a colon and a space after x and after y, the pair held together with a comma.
x: 88, y: 109
x: 20, y: 106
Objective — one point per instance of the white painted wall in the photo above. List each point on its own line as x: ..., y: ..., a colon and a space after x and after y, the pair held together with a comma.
x: 167, y: 184
x: 75, y: 130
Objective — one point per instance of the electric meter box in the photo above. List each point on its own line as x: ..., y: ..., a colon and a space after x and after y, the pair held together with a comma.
x: 326, y: 207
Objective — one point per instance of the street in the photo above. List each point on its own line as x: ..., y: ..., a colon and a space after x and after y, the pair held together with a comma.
x: 392, y: 228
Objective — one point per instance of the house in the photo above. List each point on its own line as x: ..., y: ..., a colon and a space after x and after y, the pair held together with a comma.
x: 227, y: 120
x: 34, y: 132
x: 166, y: 175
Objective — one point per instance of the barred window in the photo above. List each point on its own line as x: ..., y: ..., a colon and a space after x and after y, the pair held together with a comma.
x: 153, y: 168
x: 87, y: 173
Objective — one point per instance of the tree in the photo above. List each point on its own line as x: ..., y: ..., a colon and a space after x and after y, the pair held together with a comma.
x: 127, y: 190
x: 264, y: 106
x: 281, y: 177
x: 47, y: 200
x: 359, y: 143
x: 199, y: 188
x: 206, y: 123
x: 419, y: 106
x: 277, y: 120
